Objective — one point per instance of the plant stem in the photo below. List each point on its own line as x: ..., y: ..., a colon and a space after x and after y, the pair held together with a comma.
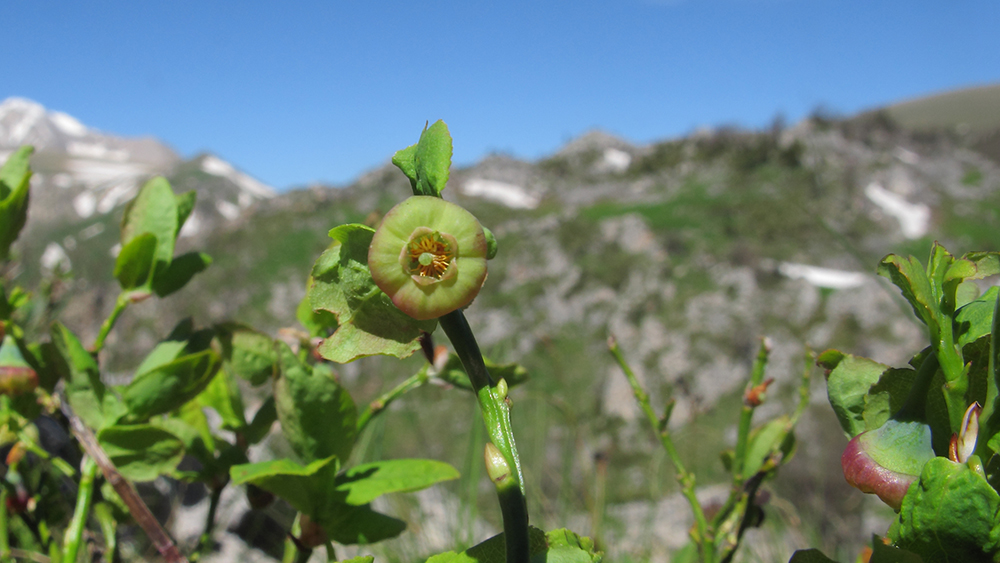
x: 140, y: 512
x: 380, y: 404
x: 106, y: 519
x: 746, y: 414
x: 205, y: 541
x: 493, y: 402
x: 84, y: 497
x: 4, y: 538
x: 700, y: 534
x: 120, y: 304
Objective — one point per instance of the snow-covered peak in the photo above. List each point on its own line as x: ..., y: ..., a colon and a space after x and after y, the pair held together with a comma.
x: 24, y: 121
x: 255, y: 189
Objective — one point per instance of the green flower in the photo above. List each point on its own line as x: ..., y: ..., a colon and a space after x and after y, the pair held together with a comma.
x: 429, y: 257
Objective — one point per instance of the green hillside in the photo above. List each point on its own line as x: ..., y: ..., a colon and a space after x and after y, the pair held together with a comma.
x: 972, y: 110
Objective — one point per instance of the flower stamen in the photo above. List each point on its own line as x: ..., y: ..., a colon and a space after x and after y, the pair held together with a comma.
x: 430, y: 255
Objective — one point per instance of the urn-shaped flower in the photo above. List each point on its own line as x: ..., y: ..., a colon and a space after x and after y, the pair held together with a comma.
x: 428, y: 256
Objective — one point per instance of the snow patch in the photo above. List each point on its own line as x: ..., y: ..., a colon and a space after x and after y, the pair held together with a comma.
x: 501, y: 192
x: 822, y: 277
x: 31, y: 113
x: 68, y: 124
x: 913, y: 217
x: 85, y: 204
x: 228, y: 210
x: 218, y: 167
x: 94, y: 150
x: 616, y: 160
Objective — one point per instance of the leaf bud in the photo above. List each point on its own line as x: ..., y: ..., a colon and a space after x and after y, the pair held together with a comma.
x: 496, y: 466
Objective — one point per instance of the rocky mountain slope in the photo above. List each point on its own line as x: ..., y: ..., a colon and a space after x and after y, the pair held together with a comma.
x: 689, y: 250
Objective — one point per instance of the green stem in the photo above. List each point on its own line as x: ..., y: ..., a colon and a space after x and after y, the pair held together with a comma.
x: 380, y: 404
x: 205, y: 541
x: 746, y: 414
x: 109, y: 528
x: 57, y: 462
x: 700, y: 534
x: 120, y: 304
x: 4, y: 539
x: 84, y: 497
x: 493, y: 402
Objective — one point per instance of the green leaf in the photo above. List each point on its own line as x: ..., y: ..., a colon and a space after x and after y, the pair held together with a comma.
x: 406, y: 161
x: 433, y: 160
x: 887, y: 396
x: 141, y: 452
x: 168, y: 386
x: 223, y: 396
x: 364, y: 483
x: 948, y: 515
x: 317, y: 415
x: 135, y: 262
x: 883, y: 553
x: 810, y: 556
x: 247, y: 353
x: 359, y: 559
x: 987, y: 263
x: 154, y: 211
x: 262, y: 421
x: 317, y: 323
x: 86, y: 393
x: 557, y: 546
x: 772, y: 437
x: 352, y: 525
x: 185, y: 205
x: 903, y: 447
x: 847, y: 386
x: 302, y: 486
x: 975, y: 319
x: 369, y: 323
x: 909, y: 276
x: 179, y: 272
x: 15, y: 184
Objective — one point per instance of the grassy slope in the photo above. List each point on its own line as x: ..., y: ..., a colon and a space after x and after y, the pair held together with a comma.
x: 977, y: 108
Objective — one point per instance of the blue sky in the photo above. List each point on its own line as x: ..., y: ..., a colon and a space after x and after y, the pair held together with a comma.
x: 297, y: 92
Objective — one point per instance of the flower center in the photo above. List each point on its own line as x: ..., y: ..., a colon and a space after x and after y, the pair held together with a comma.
x: 429, y: 254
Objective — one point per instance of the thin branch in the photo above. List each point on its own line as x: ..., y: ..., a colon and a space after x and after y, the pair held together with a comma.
x: 161, y: 540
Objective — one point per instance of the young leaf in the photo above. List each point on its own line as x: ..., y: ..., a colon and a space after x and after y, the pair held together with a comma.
x: 167, y: 387
x: 15, y: 177
x: 975, y: 319
x: 406, y: 161
x: 317, y: 415
x: 179, y: 272
x: 364, y: 483
x: 909, y: 276
x: 433, y: 160
x: 369, y: 323
x: 141, y: 452
x: 134, y: 264
x: 154, y: 211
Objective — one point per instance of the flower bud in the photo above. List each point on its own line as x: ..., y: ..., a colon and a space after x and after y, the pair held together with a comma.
x: 429, y: 257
